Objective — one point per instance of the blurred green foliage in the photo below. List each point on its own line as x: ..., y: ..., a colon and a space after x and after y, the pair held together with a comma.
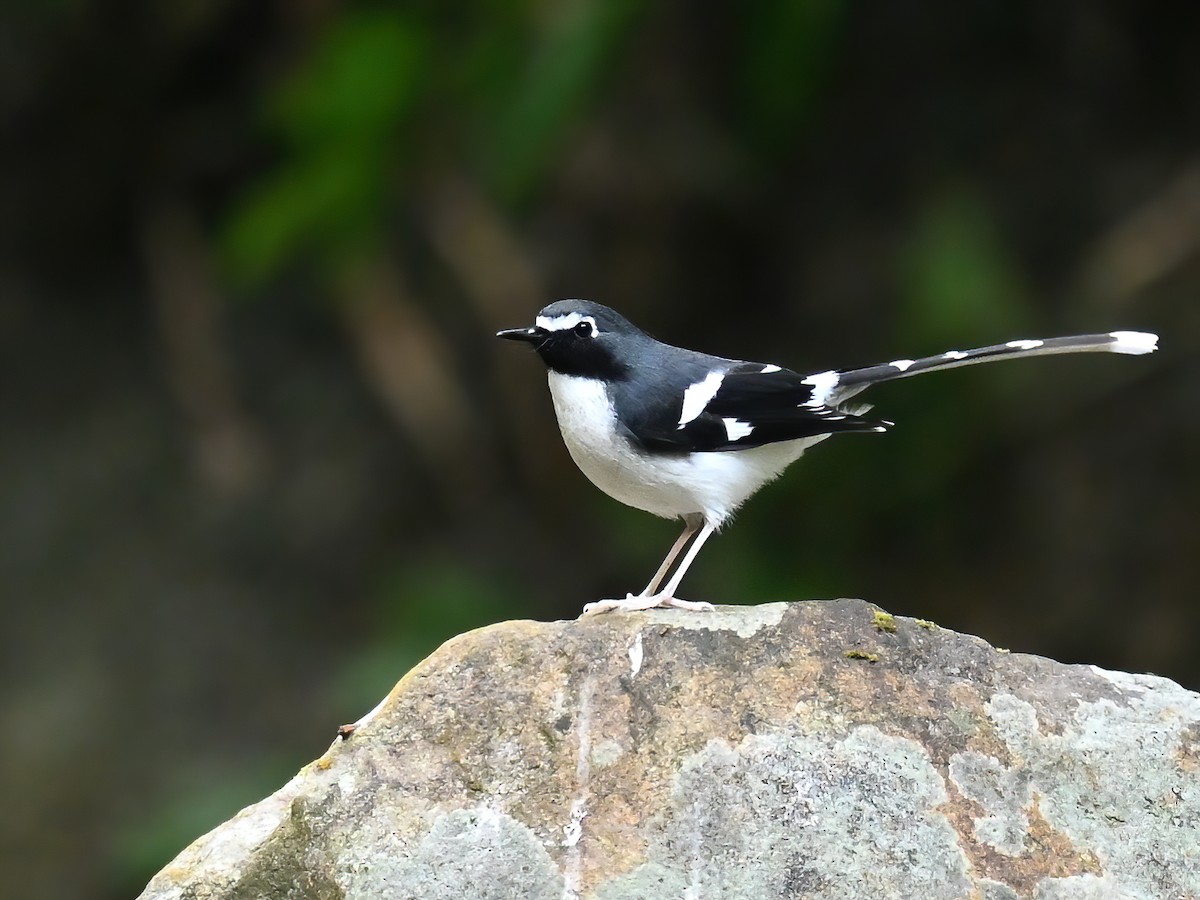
x: 226, y: 528
x: 340, y: 118
x: 788, y: 52
x: 959, y: 280
x: 386, y: 97
x: 548, y: 89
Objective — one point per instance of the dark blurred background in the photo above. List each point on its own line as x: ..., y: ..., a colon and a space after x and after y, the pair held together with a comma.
x: 261, y: 452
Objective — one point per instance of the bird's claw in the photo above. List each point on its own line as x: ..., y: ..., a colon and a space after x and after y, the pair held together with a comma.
x: 633, y: 602
x: 694, y: 605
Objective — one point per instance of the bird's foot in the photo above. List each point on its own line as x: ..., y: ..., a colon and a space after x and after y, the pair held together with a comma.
x: 644, y: 601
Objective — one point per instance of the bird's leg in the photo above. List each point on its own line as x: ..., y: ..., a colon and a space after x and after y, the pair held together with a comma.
x: 667, y: 597
x: 691, y: 525
x: 647, y: 599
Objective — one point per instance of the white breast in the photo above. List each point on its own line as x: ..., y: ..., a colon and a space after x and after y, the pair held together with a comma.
x: 712, y: 484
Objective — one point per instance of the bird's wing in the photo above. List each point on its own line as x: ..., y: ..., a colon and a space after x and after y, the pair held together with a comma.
x: 742, y: 406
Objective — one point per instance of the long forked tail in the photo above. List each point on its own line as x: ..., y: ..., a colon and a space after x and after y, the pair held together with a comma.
x: 839, y: 386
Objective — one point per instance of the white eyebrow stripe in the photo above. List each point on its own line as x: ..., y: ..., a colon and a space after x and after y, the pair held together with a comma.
x: 698, y: 395
x: 565, y: 322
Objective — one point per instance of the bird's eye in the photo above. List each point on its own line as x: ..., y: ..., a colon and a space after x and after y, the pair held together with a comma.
x: 584, y: 329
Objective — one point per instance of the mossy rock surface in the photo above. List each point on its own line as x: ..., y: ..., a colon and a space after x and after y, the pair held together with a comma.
x: 737, y: 754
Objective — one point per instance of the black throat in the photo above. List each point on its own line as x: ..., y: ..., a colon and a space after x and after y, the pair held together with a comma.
x: 586, y: 359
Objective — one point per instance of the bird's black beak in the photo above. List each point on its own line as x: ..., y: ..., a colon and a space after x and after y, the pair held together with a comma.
x: 522, y: 334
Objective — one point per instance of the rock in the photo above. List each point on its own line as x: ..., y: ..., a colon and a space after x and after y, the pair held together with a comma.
x: 815, y: 750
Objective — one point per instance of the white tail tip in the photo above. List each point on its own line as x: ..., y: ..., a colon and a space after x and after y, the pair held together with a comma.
x: 1133, y: 342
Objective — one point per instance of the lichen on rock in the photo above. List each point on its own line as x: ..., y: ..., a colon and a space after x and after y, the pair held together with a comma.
x: 737, y: 754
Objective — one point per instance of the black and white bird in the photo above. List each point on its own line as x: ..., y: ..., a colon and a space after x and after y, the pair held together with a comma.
x: 685, y: 435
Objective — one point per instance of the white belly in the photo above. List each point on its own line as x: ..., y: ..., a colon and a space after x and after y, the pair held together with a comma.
x: 711, y: 484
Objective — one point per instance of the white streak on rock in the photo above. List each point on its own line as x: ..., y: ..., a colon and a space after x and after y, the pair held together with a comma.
x: 573, y: 830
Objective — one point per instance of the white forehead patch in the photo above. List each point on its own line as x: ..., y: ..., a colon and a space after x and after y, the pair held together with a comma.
x: 696, y: 397
x: 1024, y: 345
x: 565, y: 322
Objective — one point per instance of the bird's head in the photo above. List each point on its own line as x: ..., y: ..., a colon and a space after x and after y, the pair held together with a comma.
x: 579, y: 337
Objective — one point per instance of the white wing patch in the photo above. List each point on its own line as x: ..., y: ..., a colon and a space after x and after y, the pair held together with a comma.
x: 565, y: 322
x: 823, y: 384
x: 768, y: 369
x: 1024, y: 345
x: 735, y: 429
x: 696, y: 397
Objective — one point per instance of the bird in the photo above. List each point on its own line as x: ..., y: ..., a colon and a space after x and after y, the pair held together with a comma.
x: 685, y: 435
